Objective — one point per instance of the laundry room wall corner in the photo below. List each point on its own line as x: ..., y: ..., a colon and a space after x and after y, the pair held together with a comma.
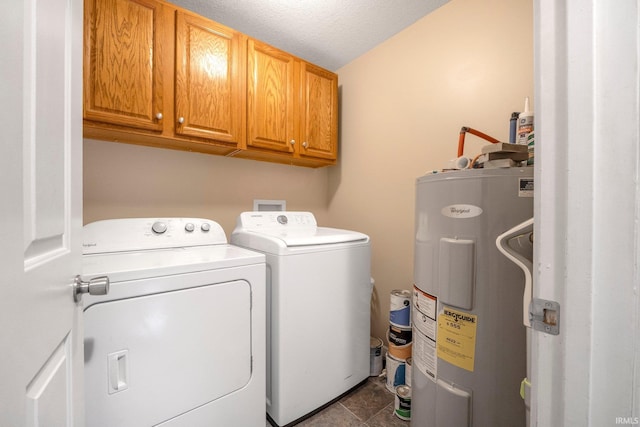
x: 468, y: 63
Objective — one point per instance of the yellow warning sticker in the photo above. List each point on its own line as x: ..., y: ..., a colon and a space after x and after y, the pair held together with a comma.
x: 457, y: 338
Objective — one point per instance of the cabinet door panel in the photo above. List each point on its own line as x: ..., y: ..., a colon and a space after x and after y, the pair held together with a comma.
x: 319, y: 113
x: 122, y: 62
x: 270, y: 98
x: 209, y: 102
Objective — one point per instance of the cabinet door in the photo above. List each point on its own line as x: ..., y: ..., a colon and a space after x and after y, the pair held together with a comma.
x: 319, y: 113
x: 209, y: 98
x: 270, y: 98
x: 123, y: 59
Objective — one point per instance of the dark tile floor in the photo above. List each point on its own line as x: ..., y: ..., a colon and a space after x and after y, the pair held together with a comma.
x: 370, y: 405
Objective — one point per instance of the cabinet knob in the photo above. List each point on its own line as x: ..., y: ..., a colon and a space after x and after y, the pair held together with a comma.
x: 292, y: 142
x: 159, y: 116
x: 181, y: 120
x: 305, y: 144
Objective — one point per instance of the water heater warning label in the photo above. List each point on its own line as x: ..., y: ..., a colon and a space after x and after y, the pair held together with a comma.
x: 423, y: 317
x: 456, y: 342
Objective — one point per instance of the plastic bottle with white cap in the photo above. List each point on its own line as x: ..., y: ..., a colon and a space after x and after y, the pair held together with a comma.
x: 525, y: 123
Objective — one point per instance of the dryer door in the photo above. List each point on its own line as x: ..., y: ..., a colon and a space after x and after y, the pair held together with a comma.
x: 152, y: 358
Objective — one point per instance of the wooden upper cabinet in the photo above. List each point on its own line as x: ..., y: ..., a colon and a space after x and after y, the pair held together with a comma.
x: 156, y: 74
x: 319, y: 113
x: 270, y: 98
x: 123, y: 62
x: 209, y: 96
x: 292, y: 107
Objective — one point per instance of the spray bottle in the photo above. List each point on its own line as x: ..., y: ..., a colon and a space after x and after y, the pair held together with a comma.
x: 525, y: 123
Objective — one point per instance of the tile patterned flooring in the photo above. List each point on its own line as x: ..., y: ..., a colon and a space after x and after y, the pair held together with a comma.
x: 370, y: 405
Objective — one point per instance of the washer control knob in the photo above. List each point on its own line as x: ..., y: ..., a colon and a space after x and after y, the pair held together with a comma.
x: 205, y: 227
x: 189, y: 227
x: 282, y: 219
x: 159, y: 227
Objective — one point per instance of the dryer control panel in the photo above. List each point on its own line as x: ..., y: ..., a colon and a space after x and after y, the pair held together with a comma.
x: 132, y: 234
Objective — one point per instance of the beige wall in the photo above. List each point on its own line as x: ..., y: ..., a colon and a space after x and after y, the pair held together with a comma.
x: 469, y: 63
x: 122, y: 180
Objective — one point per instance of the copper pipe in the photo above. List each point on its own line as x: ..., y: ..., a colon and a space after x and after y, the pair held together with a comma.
x: 463, y: 132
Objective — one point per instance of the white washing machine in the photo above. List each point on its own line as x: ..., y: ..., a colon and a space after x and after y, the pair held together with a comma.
x: 179, y: 340
x: 318, y: 309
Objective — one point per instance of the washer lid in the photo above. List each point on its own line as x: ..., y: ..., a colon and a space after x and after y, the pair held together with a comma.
x: 123, y: 266
x: 311, y: 236
x: 288, y: 229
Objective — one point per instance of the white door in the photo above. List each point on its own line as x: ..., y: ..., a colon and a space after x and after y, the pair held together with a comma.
x: 587, y: 212
x: 41, y: 354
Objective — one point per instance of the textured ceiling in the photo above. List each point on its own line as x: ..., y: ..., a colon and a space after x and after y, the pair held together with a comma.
x: 329, y: 33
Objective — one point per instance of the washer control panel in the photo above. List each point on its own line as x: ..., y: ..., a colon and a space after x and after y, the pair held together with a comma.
x: 130, y: 234
x: 262, y: 220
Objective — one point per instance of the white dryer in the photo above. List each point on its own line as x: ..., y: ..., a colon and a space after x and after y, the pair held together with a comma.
x: 318, y: 309
x: 179, y: 340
